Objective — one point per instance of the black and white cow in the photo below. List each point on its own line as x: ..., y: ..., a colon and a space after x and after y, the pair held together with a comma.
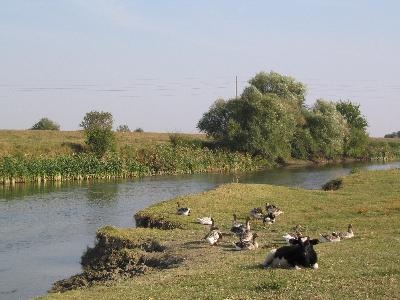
x: 297, y: 255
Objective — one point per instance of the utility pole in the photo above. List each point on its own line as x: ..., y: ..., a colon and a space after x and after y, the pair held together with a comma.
x: 236, y: 87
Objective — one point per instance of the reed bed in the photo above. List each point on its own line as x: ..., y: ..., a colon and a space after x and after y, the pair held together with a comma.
x: 155, y: 160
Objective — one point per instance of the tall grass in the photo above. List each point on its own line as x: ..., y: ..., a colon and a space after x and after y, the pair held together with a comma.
x: 155, y: 160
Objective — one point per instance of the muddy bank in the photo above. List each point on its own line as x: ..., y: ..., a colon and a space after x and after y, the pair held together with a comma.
x: 118, y: 256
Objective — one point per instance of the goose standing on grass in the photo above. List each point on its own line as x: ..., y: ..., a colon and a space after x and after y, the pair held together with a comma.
x: 205, y: 220
x: 246, y: 235
x: 346, y: 235
x: 329, y: 237
x: 237, y: 228
x: 247, y: 245
x: 184, y: 211
x: 256, y: 213
x: 214, y: 234
x: 273, y: 209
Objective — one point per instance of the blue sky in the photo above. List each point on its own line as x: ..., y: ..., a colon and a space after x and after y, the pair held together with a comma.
x: 160, y: 64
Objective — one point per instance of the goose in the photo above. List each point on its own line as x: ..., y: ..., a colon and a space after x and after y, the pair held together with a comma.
x: 246, y: 235
x: 292, y: 239
x: 238, y: 228
x: 247, y: 245
x: 185, y: 211
x: 269, y: 218
x: 271, y: 208
x: 346, y: 235
x: 329, y: 237
x: 214, y: 234
x: 205, y: 220
x: 256, y: 213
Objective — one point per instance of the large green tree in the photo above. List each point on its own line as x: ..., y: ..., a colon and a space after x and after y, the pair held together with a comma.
x: 271, y: 119
x: 256, y: 123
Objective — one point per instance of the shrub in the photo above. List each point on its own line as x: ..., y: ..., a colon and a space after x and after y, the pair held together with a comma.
x: 98, y: 131
x: 333, y: 185
x: 45, y: 124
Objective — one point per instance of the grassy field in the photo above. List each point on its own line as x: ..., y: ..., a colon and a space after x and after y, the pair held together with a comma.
x: 48, y: 142
x: 365, y: 267
x: 52, y: 143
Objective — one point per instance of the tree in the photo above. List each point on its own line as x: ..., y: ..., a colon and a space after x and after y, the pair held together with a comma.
x: 123, y: 128
x: 98, y: 131
x: 45, y: 124
x: 96, y: 120
x: 328, y: 128
x: 355, y: 143
x: 351, y: 112
x: 255, y: 123
x: 139, y: 129
x: 280, y: 85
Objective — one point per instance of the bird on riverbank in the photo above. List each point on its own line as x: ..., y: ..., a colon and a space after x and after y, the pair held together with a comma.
x: 205, y: 220
x: 329, y: 237
x: 269, y: 219
x: 247, y: 245
x: 246, y: 235
x: 256, y: 213
x: 273, y: 209
x: 185, y: 211
x: 237, y: 228
x: 346, y: 235
x: 214, y: 234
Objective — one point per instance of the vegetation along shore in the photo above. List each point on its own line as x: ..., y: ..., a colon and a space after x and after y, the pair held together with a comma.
x: 175, y: 261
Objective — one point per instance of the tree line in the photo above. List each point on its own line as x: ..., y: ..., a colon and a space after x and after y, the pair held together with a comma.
x: 270, y: 119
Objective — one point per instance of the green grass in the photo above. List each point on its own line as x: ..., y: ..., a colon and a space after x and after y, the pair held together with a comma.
x: 367, y: 266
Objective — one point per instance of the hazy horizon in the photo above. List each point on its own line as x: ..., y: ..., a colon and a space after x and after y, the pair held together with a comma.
x: 159, y: 66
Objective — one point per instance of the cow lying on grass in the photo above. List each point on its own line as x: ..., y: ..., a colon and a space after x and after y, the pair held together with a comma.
x: 300, y: 254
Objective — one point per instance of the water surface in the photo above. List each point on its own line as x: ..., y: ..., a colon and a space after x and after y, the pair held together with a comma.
x: 44, y: 229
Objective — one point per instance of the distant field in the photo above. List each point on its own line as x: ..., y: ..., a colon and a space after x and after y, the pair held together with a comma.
x: 47, y: 142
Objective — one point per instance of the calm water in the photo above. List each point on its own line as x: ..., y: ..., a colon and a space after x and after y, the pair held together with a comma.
x: 45, y: 229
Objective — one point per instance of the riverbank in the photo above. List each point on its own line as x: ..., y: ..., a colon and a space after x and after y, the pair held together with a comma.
x: 350, y: 269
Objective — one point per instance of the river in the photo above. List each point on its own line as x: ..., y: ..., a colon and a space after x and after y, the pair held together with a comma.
x: 44, y: 229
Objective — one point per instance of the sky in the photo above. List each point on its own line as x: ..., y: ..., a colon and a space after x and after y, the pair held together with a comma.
x: 159, y: 65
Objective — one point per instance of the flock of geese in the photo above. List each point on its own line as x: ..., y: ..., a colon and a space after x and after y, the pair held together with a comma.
x: 247, y: 238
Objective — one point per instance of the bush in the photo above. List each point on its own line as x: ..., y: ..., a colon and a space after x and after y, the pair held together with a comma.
x: 100, y: 141
x: 333, y: 185
x: 138, y: 130
x: 98, y: 131
x: 45, y: 124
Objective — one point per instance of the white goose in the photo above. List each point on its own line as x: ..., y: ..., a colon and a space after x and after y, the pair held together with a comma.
x: 184, y: 211
x: 205, y: 220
